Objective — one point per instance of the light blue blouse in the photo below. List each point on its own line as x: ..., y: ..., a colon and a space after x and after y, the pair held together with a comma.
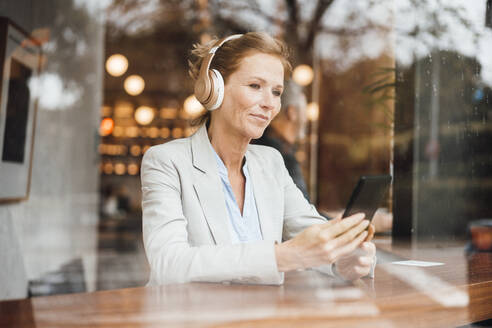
x: 244, y: 228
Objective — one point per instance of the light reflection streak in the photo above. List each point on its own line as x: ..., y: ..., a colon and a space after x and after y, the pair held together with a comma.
x: 430, y: 285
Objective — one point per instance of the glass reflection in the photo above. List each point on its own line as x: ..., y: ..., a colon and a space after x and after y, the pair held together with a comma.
x: 401, y: 87
x: 443, y: 87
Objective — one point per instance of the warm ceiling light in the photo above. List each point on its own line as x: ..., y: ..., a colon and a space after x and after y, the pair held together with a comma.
x: 165, y: 133
x: 106, y: 127
x: 144, y: 115
x: 123, y: 150
x: 123, y: 109
x: 105, y: 111
x: 108, y: 168
x: 153, y: 132
x: 119, y: 168
x: 135, y: 150
x: 112, y: 150
x: 118, y: 131
x: 117, y: 65
x: 132, y: 169
x: 131, y: 131
x: 134, y: 85
x: 312, y: 111
x: 177, y: 133
x: 192, y: 106
x: 303, y: 75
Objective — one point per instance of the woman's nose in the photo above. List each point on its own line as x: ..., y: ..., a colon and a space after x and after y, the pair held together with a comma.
x: 268, y: 101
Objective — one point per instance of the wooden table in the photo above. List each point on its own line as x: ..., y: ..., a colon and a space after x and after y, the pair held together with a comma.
x: 450, y: 295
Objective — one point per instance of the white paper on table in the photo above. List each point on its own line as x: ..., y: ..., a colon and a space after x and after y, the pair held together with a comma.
x: 418, y: 263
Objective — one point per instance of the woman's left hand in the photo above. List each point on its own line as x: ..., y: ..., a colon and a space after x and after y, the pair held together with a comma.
x: 358, y: 263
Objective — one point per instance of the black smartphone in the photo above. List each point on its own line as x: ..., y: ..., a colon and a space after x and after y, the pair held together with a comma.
x: 367, y: 195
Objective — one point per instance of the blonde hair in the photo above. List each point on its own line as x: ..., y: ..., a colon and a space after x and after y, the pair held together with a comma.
x: 228, y: 57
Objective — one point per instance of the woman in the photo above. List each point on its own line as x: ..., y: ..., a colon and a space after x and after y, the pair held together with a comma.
x: 216, y: 208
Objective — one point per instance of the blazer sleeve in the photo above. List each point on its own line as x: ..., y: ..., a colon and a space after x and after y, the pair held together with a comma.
x: 299, y: 215
x: 171, y: 258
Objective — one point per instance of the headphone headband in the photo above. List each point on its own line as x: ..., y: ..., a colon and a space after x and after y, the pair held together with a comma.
x: 211, y: 53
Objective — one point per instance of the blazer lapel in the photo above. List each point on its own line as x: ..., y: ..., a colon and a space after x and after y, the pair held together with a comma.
x: 208, y: 187
x: 266, y: 200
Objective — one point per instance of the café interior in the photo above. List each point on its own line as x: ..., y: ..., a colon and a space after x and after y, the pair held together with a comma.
x: 393, y: 87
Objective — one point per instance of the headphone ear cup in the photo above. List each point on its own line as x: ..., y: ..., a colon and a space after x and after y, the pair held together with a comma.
x: 202, y: 89
x: 217, y: 92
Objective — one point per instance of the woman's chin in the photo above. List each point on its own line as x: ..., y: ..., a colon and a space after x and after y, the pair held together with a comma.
x: 256, y: 132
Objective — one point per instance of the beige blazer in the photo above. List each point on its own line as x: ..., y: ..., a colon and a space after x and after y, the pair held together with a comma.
x: 186, y: 228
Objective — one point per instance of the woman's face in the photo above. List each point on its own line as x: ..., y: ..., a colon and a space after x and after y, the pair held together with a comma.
x: 252, y: 95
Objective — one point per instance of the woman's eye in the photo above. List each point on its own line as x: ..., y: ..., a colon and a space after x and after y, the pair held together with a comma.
x: 277, y: 93
x: 254, y: 85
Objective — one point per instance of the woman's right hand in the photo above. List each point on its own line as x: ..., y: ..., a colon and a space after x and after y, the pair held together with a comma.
x: 322, y: 244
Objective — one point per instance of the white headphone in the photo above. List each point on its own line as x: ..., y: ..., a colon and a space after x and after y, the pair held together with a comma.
x: 209, y: 86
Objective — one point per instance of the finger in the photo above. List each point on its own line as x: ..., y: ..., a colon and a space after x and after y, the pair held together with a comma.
x: 331, y: 222
x: 323, y: 226
x: 371, y: 230
x: 365, y: 261
x: 348, y: 236
x: 341, y: 226
x: 338, y: 217
x: 369, y: 248
x: 362, y: 271
x: 347, y: 248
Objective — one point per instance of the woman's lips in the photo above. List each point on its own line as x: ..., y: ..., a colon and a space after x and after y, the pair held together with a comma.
x: 260, y: 116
